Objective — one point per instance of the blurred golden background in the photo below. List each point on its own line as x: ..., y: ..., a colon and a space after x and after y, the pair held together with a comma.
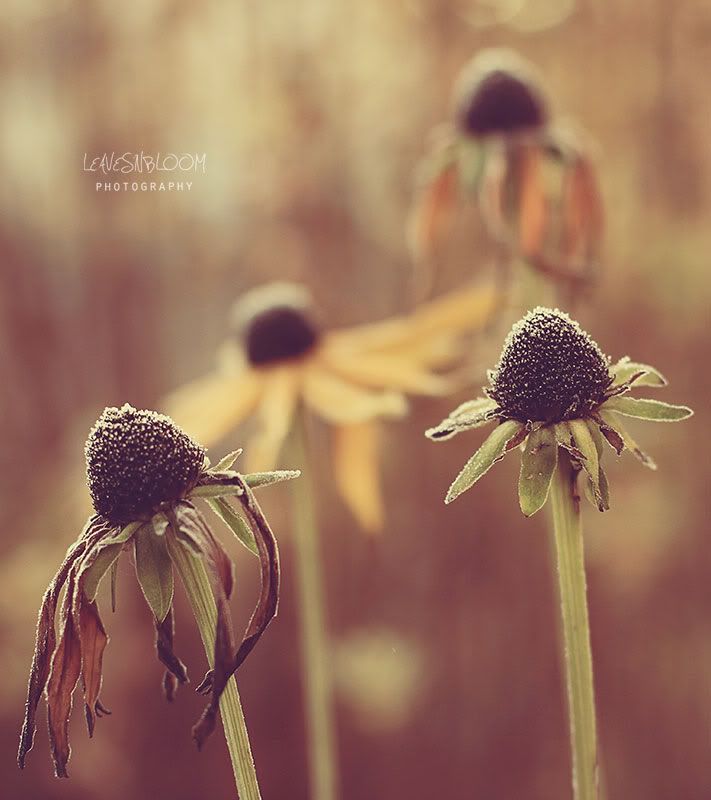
x: 313, y: 117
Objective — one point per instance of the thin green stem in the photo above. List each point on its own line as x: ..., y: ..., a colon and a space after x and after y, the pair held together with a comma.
x: 314, y: 640
x: 197, y: 587
x: 568, y: 535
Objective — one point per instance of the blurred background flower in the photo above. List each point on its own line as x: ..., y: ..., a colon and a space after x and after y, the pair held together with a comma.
x: 313, y: 117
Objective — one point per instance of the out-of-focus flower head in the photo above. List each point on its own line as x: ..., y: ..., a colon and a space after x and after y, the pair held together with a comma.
x: 553, y: 388
x: 532, y: 178
x: 145, y: 475
x: 280, y: 358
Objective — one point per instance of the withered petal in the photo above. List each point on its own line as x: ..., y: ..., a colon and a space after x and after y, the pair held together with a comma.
x: 176, y: 672
x: 63, y: 677
x: 45, y: 640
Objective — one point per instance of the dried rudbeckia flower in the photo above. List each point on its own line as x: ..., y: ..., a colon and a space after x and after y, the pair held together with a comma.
x: 534, y: 181
x: 280, y: 357
x: 556, y: 394
x: 145, y: 475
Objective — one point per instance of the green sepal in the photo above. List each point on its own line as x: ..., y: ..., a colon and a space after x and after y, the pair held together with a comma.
x: 493, y: 449
x: 255, y: 480
x: 538, y: 464
x: 636, y: 374
x: 227, y: 461
x: 235, y: 523
x: 217, y: 489
x: 107, y: 553
x: 630, y: 444
x: 154, y: 570
x: 653, y: 410
x: 590, y: 461
x: 472, y: 414
x: 603, y: 485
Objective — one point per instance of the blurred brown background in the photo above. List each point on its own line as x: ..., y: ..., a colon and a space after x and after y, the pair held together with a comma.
x: 313, y: 115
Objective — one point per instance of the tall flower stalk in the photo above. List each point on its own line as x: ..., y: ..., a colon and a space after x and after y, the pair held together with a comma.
x: 568, y: 539
x: 557, y: 396
x: 316, y: 673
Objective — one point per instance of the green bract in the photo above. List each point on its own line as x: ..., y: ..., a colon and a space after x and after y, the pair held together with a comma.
x: 553, y: 388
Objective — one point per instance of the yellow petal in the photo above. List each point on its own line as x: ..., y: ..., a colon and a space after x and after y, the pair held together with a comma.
x: 211, y: 407
x: 432, y: 328
x: 355, y: 460
x: 342, y: 402
x: 388, y: 372
x: 276, y: 411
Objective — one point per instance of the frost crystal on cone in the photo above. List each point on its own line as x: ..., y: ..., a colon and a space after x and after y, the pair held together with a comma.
x: 549, y: 370
x: 275, y: 323
x: 496, y: 99
x: 136, y: 460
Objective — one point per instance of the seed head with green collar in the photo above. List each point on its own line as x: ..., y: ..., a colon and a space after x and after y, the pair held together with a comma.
x: 552, y: 389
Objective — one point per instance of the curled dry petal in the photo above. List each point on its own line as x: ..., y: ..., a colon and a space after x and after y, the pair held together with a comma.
x: 46, y: 636
x: 176, y: 672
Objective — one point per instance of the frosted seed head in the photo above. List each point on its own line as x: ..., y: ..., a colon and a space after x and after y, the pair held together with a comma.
x: 549, y: 369
x: 136, y: 460
x: 498, y: 93
x: 275, y: 323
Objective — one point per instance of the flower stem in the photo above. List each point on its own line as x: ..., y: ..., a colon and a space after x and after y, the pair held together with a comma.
x: 568, y: 535
x: 314, y: 640
x: 197, y: 588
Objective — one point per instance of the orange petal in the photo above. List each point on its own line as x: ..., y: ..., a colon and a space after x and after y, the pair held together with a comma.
x: 533, y: 206
x: 581, y: 210
x: 432, y: 212
x: 211, y: 407
x: 355, y: 461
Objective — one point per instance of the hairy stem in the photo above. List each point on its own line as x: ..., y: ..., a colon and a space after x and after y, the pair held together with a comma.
x: 197, y: 588
x: 568, y: 536
x: 314, y: 641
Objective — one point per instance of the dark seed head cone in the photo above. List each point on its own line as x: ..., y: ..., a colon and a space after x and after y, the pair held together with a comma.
x: 136, y: 460
x: 549, y: 370
x: 275, y: 323
x: 497, y: 94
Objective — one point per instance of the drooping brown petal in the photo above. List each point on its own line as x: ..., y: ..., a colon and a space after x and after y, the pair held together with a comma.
x: 532, y: 203
x: 582, y: 213
x: 222, y: 669
x: 93, y: 641
x: 268, y: 604
x: 227, y: 661
x: 63, y: 677
x: 46, y: 636
x: 176, y: 672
